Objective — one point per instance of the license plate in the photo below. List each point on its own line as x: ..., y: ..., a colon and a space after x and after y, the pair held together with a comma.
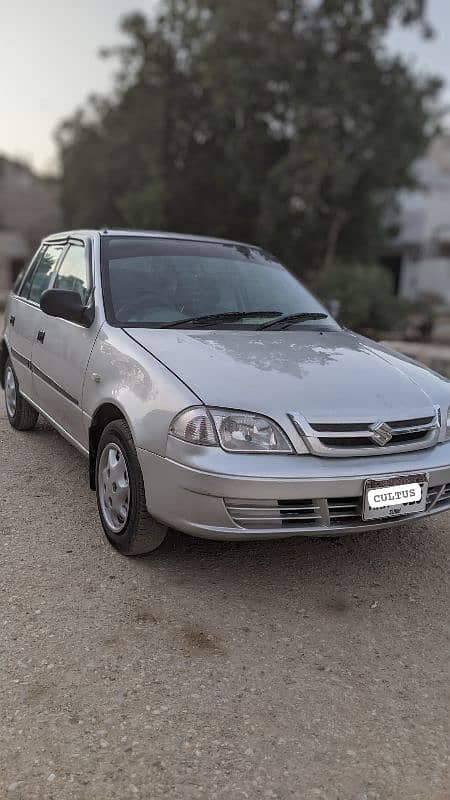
x: 388, y: 498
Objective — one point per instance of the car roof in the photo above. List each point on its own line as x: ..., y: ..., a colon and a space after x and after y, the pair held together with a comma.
x: 150, y: 234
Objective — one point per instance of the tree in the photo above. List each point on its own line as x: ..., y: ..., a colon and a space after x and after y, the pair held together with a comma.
x: 286, y: 122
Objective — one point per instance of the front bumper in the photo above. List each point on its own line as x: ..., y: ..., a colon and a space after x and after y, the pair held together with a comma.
x: 208, y: 493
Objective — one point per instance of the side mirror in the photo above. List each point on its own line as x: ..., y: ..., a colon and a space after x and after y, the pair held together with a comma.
x: 64, y: 304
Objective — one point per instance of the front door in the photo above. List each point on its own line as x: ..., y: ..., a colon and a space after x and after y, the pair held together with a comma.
x: 61, y: 353
x: 25, y: 315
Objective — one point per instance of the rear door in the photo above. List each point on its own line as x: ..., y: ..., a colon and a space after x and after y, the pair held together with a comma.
x: 61, y: 353
x: 25, y: 314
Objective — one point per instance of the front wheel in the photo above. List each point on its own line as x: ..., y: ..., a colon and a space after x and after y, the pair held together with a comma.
x: 21, y: 415
x: 121, y: 495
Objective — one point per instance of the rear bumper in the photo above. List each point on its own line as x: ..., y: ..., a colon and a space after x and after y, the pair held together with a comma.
x: 215, y: 495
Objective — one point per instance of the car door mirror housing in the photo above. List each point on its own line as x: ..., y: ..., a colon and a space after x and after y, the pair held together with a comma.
x: 66, y: 305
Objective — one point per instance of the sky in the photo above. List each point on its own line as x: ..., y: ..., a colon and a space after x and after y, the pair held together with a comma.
x: 49, y: 64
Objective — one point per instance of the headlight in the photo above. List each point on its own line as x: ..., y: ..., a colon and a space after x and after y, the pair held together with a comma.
x: 448, y: 425
x: 235, y: 431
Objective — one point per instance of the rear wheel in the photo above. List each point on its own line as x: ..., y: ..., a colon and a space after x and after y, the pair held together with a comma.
x: 121, y: 495
x: 21, y: 415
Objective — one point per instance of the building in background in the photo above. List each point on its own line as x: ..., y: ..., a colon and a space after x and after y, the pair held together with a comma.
x: 14, y: 252
x: 29, y: 209
x: 419, y: 256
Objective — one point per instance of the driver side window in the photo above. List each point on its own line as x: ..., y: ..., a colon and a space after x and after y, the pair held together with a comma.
x: 73, y: 272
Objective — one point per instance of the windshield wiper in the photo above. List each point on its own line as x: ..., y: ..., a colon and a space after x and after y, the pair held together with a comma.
x: 290, y: 319
x: 229, y: 316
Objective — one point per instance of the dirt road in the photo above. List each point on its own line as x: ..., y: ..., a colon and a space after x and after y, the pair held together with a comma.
x: 298, y: 669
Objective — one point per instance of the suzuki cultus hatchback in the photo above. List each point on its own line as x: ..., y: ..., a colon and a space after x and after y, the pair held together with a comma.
x: 212, y: 393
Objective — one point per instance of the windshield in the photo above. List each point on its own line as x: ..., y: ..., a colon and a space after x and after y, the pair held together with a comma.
x: 152, y: 282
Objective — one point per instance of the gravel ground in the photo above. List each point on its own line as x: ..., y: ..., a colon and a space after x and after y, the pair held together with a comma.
x: 297, y: 669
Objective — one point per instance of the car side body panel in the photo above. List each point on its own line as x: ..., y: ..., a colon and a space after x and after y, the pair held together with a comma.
x: 21, y: 337
x: 60, y: 360
x: 59, y: 367
x: 147, y: 393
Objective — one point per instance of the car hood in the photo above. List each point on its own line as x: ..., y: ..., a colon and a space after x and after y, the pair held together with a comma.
x: 323, y: 375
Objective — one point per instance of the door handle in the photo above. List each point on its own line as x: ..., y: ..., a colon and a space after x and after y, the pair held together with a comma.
x: 12, y: 320
x: 41, y: 336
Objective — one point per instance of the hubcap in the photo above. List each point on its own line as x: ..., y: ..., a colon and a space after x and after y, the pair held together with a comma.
x: 114, y: 487
x: 10, y: 392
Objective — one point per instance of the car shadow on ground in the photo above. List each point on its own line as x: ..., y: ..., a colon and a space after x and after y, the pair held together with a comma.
x: 368, y: 568
x: 405, y: 546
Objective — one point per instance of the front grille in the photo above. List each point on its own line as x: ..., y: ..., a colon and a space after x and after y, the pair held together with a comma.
x: 274, y: 513
x: 361, y: 441
x: 345, y: 511
x: 319, y: 513
x: 338, y: 427
x: 403, y: 431
x: 337, y: 439
x: 442, y: 497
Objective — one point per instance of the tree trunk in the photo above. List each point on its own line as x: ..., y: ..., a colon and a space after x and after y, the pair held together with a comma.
x: 333, y: 237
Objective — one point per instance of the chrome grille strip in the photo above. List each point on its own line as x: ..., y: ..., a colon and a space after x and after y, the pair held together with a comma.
x: 428, y: 426
x: 276, y: 519
x: 357, y: 439
x: 272, y: 508
x: 366, y: 432
x: 332, y: 505
x: 275, y: 514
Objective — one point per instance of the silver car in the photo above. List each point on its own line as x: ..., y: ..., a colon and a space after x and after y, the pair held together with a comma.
x: 212, y: 393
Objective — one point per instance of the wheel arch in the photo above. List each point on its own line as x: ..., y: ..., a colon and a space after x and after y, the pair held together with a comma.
x: 107, y: 412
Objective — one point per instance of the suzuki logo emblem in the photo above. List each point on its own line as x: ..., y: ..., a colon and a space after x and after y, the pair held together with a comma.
x: 381, y: 433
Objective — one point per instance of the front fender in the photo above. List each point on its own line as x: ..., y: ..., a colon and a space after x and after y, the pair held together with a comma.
x: 147, y: 393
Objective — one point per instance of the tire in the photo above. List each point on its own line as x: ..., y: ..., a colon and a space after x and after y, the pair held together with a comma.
x: 21, y: 415
x: 120, y: 491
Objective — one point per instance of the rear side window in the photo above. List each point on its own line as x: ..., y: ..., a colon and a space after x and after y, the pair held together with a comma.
x: 73, y: 272
x: 39, y: 280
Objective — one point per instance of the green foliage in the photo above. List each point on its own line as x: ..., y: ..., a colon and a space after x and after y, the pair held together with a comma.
x: 365, y: 295
x: 284, y: 122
